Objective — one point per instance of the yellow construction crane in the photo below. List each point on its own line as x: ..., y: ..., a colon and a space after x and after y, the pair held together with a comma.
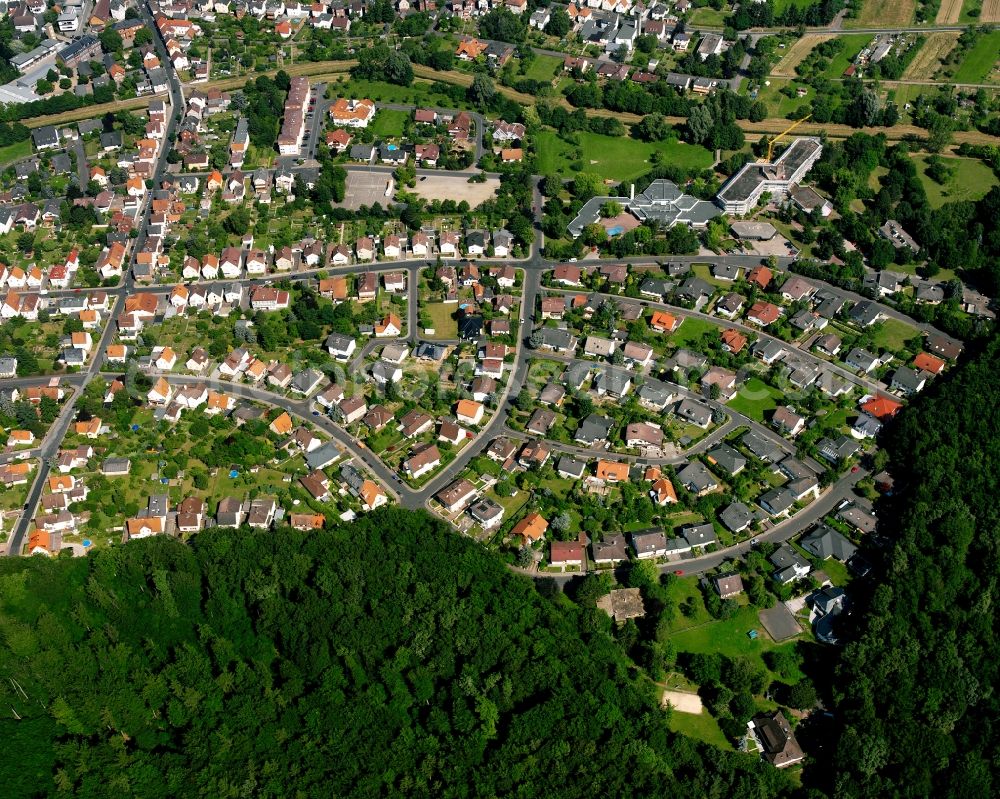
x: 774, y: 141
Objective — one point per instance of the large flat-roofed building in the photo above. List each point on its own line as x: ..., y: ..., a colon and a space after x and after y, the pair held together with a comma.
x: 662, y: 202
x: 743, y: 190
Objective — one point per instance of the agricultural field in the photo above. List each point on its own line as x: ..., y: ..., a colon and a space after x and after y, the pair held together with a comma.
x: 797, y: 52
x: 615, y: 158
x: 883, y: 14
x: 949, y: 12
x: 971, y: 180
x: 927, y: 62
x: 979, y: 65
x: 990, y: 12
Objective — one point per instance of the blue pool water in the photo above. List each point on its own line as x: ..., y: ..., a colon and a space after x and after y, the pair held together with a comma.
x: 616, y: 230
x: 391, y: 147
x: 234, y: 473
x: 86, y: 542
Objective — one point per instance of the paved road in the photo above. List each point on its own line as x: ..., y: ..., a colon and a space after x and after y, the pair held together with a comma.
x: 53, y: 438
x: 865, y: 384
x: 533, y: 265
x: 302, y: 408
x: 785, y: 530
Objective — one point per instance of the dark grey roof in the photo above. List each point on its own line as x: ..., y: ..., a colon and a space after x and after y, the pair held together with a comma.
x: 656, y: 393
x: 593, y: 429
x: 838, y: 449
x: 736, y: 517
x: 727, y: 458
x: 571, y: 466
x: 556, y: 338
x: 613, y: 381
x: 825, y: 542
x: 777, y: 500
x: 694, y: 412
x: 699, y: 535
x: 784, y: 556
x: 696, y: 477
x: 322, y: 456
x: 45, y: 136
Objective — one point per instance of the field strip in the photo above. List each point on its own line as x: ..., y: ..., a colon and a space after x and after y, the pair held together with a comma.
x: 884, y: 14
x: 926, y: 62
x: 949, y: 12
x: 785, y: 68
x: 990, y: 12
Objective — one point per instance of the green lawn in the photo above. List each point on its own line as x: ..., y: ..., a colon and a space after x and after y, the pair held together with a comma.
x: 894, y: 334
x: 755, y: 398
x: 836, y: 571
x: 15, y: 152
x: 709, y: 17
x: 704, y: 271
x: 700, y: 726
x: 971, y: 180
x: 980, y: 60
x: 445, y: 327
x: 727, y: 637
x: 781, y: 5
x: 854, y: 43
x: 778, y: 105
x: 967, y: 6
x: 544, y: 68
x: 691, y: 331
x: 389, y: 123
x: 613, y: 157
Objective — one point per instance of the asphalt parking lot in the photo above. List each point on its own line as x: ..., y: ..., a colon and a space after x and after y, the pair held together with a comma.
x: 367, y: 188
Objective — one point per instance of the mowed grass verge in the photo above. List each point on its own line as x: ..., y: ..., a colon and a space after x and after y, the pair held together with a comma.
x: 614, y: 158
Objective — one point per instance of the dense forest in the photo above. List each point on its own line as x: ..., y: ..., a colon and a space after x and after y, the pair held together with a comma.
x: 389, y: 657
x: 918, y: 688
